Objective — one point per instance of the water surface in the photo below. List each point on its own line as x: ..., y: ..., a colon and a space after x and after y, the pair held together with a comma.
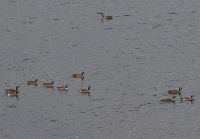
x: 130, y: 62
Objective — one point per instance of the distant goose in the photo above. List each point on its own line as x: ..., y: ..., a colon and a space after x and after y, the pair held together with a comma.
x: 175, y: 91
x: 106, y: 17
x: 169, y: 99
x: 79, y: 75
x: 85, y: 90
x: 63, y: 88
x: 49, y: 84
x: 12, y: 90
x: 188, y: 99
x: 33, y: 82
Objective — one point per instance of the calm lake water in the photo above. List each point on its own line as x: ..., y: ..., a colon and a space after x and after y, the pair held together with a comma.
x: 130, y: 63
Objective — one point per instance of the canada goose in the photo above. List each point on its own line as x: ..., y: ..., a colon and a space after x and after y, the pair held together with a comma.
x: 169, y: 99
x: 12, y: 90
x: 49, y: 84
x: 79, y: 75
x: 33, y: 82
x: 175, y: 91
x: 62, y: 88
x: 188, y: 99
x: 106, y: 17
x: 85, y: 90
x: 12, y: 94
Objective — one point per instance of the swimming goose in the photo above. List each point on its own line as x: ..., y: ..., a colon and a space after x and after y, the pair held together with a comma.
x: 106, y: 17
x: 12, y: 90
x: 175, y: 91
x: 62, y: 88
x: 79, y: 75
x: 188, y: 99
x: 85, y: 90
x: 169, y: 99
x: 49, y: 84
x: 33, y: 82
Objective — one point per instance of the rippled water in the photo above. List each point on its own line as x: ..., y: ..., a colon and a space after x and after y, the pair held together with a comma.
x: 130, y: 62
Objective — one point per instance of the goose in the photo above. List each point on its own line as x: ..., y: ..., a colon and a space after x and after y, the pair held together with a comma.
x: 49, y: 84
x: 62, y: 88
x: 33, y: 82
x: 79, y: 75
x: 12, y: 90
x: 169, y: 99
x: 85, y: 90
x: 176, y: 91
x: 106, y: 17
x: 188, y: 99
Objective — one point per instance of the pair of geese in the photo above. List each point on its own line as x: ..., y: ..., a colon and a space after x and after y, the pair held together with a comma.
x: 15, y: 92
x: 177, y: 92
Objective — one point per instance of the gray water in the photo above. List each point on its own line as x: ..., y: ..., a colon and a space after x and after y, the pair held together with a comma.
x: 130, y: 62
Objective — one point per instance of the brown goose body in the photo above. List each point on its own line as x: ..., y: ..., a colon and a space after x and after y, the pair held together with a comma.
x: 79, y: 75
x: 33, y: 82
x: 85, y: 90
x: 12, y: 90
x: 188, y: 98
x: 175, y: 91
x: 169, y: 99
x: 63, y: 88
x: 12, y: 94
x: 106, y: 17
x: 49, y: 84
